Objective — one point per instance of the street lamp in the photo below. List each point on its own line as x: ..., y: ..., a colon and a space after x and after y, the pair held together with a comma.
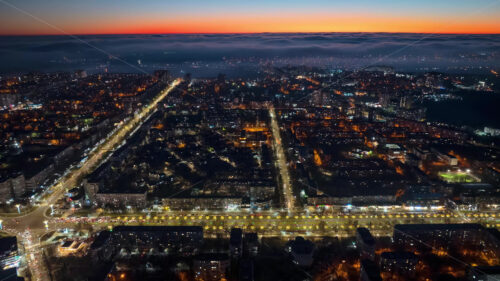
x: 51, y: 209
x: 18, y: 208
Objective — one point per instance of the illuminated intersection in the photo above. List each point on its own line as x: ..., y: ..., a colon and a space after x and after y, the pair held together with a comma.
x: 29, y: 227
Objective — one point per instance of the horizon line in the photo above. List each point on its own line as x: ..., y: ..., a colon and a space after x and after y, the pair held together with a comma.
x: 235, y: 33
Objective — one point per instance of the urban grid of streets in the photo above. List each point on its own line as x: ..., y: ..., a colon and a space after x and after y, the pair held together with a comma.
x: 31, y: 226
x: 287, y: 221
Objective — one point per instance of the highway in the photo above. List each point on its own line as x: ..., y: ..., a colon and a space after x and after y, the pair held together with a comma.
x: 288, y: 197
x: 34, y: 222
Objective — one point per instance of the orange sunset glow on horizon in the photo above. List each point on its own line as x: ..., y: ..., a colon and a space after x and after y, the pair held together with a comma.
x: 271, y: 25
x: 273, y: 17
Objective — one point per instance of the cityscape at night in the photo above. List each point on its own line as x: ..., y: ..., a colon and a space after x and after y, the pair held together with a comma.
x: 250, y: 140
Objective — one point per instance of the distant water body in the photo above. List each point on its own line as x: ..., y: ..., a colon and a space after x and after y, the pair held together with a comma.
x: 206, y: 55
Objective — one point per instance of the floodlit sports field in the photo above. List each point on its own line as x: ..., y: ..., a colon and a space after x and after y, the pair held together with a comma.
x: 458, y: 177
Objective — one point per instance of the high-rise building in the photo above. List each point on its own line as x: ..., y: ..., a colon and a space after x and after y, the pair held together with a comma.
x: 163, y: 75
x: 9, y: 256
x: 369, y: 271
x: 252, y: 243
x: 236, y: 242
x: 365, y: 243
x: 301, y: 251
x: 246, y: 270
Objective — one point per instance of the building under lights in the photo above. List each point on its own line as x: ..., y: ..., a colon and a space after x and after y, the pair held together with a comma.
x: 9, y: 259
x: 447, y: 236
x: 183, y: 240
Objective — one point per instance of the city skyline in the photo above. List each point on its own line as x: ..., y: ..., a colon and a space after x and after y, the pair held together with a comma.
x: 249, y: 140
x: 57, y: 17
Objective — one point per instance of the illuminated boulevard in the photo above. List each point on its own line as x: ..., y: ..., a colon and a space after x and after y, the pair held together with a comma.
x: 288, y: 197
x: 29, y: 227
x: 288, y: 221
x: 282, y: 223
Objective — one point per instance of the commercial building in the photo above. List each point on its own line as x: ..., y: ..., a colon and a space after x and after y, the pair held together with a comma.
x: 10, y: 275
x: 9, y: 256
x: 209, y: 203
x: 131, y: 240
x: 119, y: 199
x: 171, y: 239
x: 71, y: 247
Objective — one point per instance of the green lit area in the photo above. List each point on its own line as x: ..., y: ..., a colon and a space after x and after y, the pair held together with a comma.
x: 458, y: 177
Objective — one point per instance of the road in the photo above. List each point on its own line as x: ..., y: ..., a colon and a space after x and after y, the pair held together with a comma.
x: 283, y: 223
x: 290, y: 222
x: 34, y: 222
x: 269, y: 223
x: 288, y: 197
